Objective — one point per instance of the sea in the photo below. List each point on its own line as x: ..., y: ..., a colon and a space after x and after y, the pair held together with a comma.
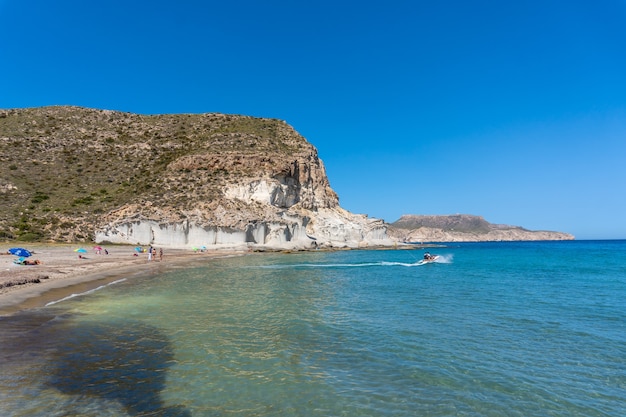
x: 490, y: 329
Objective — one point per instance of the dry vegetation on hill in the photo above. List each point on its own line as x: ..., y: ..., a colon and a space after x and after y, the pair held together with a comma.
x: 63, y: 168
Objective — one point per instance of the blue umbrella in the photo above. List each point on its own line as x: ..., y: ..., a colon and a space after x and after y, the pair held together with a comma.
x: 81, y: 250
x: 20, y: 252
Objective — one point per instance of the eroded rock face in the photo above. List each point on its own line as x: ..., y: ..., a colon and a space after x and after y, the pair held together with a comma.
x: 185, y: 234
x: 280, y: 205
x: 296, y: 228
x: 289, y: 208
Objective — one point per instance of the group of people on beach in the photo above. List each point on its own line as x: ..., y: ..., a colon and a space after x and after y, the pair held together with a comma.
x: 152, y: 253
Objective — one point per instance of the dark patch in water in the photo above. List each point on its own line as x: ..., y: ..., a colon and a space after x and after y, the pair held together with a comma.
x: 123, y: 361
x: 25, y: 336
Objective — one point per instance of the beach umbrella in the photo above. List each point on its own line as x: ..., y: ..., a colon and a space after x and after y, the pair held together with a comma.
x: 97, y: 247
x: 80, y: 250
x: 138, y: 249
x: 21, y: 252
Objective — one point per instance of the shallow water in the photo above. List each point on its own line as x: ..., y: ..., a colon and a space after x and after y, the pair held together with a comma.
x: 515, y: 329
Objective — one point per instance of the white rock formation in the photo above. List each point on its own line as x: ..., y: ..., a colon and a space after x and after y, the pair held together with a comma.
x: 294, y: 227
x: 333, y: 228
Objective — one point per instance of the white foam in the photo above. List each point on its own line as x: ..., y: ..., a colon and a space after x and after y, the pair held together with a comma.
x: 447, y: 259
x: 69, y: 297
x: 444, y: 259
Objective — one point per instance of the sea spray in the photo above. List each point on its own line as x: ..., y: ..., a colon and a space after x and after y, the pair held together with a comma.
x: 445, y: 259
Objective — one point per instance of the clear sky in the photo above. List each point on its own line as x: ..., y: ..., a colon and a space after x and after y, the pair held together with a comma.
x: 515, y: 111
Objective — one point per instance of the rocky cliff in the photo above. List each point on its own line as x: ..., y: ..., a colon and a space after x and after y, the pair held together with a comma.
x: 463, y: 228
x: 215, y: 180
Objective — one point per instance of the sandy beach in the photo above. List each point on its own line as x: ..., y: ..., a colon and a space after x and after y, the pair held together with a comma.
x: 61, y: 271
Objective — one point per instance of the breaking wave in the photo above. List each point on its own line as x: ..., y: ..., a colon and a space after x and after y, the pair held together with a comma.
x: 69, y: 297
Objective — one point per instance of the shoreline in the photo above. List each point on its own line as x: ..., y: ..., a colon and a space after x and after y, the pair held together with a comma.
x: 62, y: 273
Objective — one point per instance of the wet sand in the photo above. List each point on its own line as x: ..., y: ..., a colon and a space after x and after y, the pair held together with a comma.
x: 61, y: 271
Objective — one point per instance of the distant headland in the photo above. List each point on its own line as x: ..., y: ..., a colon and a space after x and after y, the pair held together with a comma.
x: 463, y: 228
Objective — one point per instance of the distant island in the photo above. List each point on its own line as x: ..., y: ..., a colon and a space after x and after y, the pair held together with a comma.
x: 73, y: 174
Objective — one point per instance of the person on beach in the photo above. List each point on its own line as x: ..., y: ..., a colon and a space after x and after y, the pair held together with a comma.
x: 21, y: 261
x: 150, y: 253
x: 160, y: 254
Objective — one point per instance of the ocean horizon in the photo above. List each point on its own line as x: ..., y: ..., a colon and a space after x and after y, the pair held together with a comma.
x: 490, y: 329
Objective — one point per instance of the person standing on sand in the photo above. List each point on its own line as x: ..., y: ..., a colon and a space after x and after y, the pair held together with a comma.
x: 150, y: 253
x: 160, y: 254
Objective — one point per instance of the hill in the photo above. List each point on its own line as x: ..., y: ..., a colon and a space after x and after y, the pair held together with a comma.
x: 77, y: 174
x: 463, y: 228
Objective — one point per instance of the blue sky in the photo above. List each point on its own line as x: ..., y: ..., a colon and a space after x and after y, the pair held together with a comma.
x: 515, y: 111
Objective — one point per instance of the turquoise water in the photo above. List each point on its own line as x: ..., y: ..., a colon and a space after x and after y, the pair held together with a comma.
x: 497, y: 329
